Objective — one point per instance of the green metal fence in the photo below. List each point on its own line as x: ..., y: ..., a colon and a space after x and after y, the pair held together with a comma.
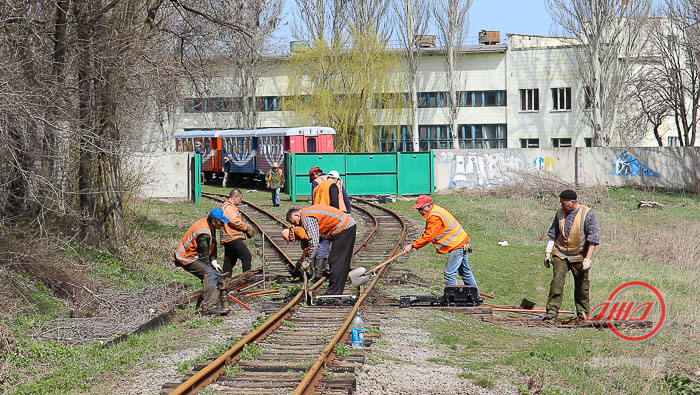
x: 196, y: 177
x: 386, y: 173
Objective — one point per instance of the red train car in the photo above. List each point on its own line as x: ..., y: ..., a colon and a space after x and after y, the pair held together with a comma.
x: 250, y: 153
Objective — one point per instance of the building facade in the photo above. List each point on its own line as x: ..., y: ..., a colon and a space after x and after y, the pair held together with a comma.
x: 523, y: 94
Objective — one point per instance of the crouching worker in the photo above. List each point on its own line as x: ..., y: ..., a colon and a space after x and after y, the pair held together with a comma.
x: 297, y: 233
x: 325, y: 221
x: 197, y: 255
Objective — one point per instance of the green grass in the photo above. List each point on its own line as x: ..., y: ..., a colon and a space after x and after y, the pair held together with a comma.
x: 635, y: 245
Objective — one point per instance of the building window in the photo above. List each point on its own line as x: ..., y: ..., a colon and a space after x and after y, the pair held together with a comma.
x: 529, y: 143
x: 434, y: 137
x: 433, y: 99
x: 561, y: 99
x: 588, y: 141
x: 587, y: 98
x: 483, y: 136
x: 673, y: 142
x: 529, y: 100
x: 481, y: 98
x: 561, y: 143
x: 394, y: 138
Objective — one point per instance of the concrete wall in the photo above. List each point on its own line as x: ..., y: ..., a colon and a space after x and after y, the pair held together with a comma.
x: 163, y: 176
x: 667, y: 167
x: 491, y: 168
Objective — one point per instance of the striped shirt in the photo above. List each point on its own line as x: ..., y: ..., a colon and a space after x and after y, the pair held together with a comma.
x: 310, y: 224
x: 590, y: 226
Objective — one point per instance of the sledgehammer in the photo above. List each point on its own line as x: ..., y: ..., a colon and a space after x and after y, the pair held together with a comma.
x: 357, y: 276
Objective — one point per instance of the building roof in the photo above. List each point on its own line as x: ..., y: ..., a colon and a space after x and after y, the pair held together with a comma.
x: 297, y: 131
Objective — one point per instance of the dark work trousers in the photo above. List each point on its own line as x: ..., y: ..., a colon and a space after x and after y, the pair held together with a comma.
x: 233, y: 251
x: 339, y: 260
x: 556, y: 288
x: 209, y: 276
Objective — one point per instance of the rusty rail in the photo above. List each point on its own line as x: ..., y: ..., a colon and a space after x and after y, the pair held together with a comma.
x: 315, y: 374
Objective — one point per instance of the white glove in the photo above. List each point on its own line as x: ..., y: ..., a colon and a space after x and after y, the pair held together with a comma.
x: 216, y: 265
x: 547, y: 259
x: 587, y: 263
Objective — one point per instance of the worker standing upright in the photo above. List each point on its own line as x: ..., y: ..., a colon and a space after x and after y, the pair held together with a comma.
x: 233, y: 235
x: 332, y: 192
x: 325, y: 221
x: 196, y: 253
x: 448, y: 237
x: 573, y: 238
x: 275, y: 181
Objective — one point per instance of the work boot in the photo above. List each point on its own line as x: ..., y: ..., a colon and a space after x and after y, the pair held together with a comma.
x: 548, y: 316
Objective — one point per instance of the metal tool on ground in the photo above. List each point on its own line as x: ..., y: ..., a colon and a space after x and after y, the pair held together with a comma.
x: 305, y: 288
x: 239, y: 302
x: 454, y: 296
x: 357, y: 276
x: 269, y: 291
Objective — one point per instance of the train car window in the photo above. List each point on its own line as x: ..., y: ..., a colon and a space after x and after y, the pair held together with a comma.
x: 207, y: 145
x: 311, y: 144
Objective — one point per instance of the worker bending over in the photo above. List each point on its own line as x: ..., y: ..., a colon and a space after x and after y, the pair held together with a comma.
x: 321, y: 220
x: 197, y: 255
x: 448, y: 236
x: 233, y: 234
x: 297, y: 233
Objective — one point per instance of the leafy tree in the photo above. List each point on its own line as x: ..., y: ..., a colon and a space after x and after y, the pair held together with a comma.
x: 340, y: 86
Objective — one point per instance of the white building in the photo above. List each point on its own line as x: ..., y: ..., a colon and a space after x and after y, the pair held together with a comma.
x: 522, y: 94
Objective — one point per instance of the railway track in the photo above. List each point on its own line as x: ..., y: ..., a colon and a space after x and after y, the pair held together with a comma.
x: 303, y: 348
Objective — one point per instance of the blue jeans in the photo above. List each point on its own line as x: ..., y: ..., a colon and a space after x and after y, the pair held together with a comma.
x: 458, y: 262
x: 275, y: 196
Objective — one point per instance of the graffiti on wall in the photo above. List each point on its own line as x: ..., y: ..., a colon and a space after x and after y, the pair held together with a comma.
x: 478, y: 170
x: 628, y: 165
x: 546, y: 163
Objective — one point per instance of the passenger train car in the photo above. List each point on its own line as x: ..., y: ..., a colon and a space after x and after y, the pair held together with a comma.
x: 250, y: 153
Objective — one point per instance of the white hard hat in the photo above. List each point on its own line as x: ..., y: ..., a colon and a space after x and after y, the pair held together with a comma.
x: 334, y: 174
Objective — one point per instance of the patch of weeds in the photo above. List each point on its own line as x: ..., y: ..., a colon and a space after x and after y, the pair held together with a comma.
x: 196, y: 323
x: 372, y: 330
x: 274, y: 285
x: 250, y: 351
x: 289, y: 324
x: 231, y: 370
x: 341, y: 349
x: 466, y: 375
x: 523, y: 389
x: 293, y: 290
x: 261, y: 320
x: 186, y: 366
x: 329, y: 374
x: 484, y: 382
x: 679, y: 384
x: 372, y: 360
x: 555, y: 390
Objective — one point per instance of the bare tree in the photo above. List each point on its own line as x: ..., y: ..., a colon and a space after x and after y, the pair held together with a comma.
x: 76, y: 76
x: 370, y: 16
x: 321, y: 20
x: 606, y: 36
x: 412, y: 20
x: 453, y: 25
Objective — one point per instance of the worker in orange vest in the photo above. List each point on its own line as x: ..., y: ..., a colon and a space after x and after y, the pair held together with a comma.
x: 233, y: 234
x: 328, y: 222
x: 297, y: 233
x: 332, y: 192
x: 274, y: 180
x: 196, y: 254
x: 448, y: 237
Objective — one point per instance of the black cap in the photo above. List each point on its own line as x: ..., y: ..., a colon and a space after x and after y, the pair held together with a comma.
x: 568, y: 195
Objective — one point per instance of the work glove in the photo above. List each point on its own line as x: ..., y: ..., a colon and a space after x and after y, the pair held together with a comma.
x: 547, y: 259
x: 468, y: 247
x: 249, y: 231
x: 267, y: 186
x: 587, y: 263
x: 305, y: 265
x: 216, y: 265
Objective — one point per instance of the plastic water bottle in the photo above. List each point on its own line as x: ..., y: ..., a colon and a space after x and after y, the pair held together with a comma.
x: 358, y: 331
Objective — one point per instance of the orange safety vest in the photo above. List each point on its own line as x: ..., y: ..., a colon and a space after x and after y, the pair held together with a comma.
x: 331, y: 221
x: 321, y: 194
x: 186, y: 252
x: 269, y: 176
x: 451, y: 235
x: 571, y: 247
x: 228, y: 232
